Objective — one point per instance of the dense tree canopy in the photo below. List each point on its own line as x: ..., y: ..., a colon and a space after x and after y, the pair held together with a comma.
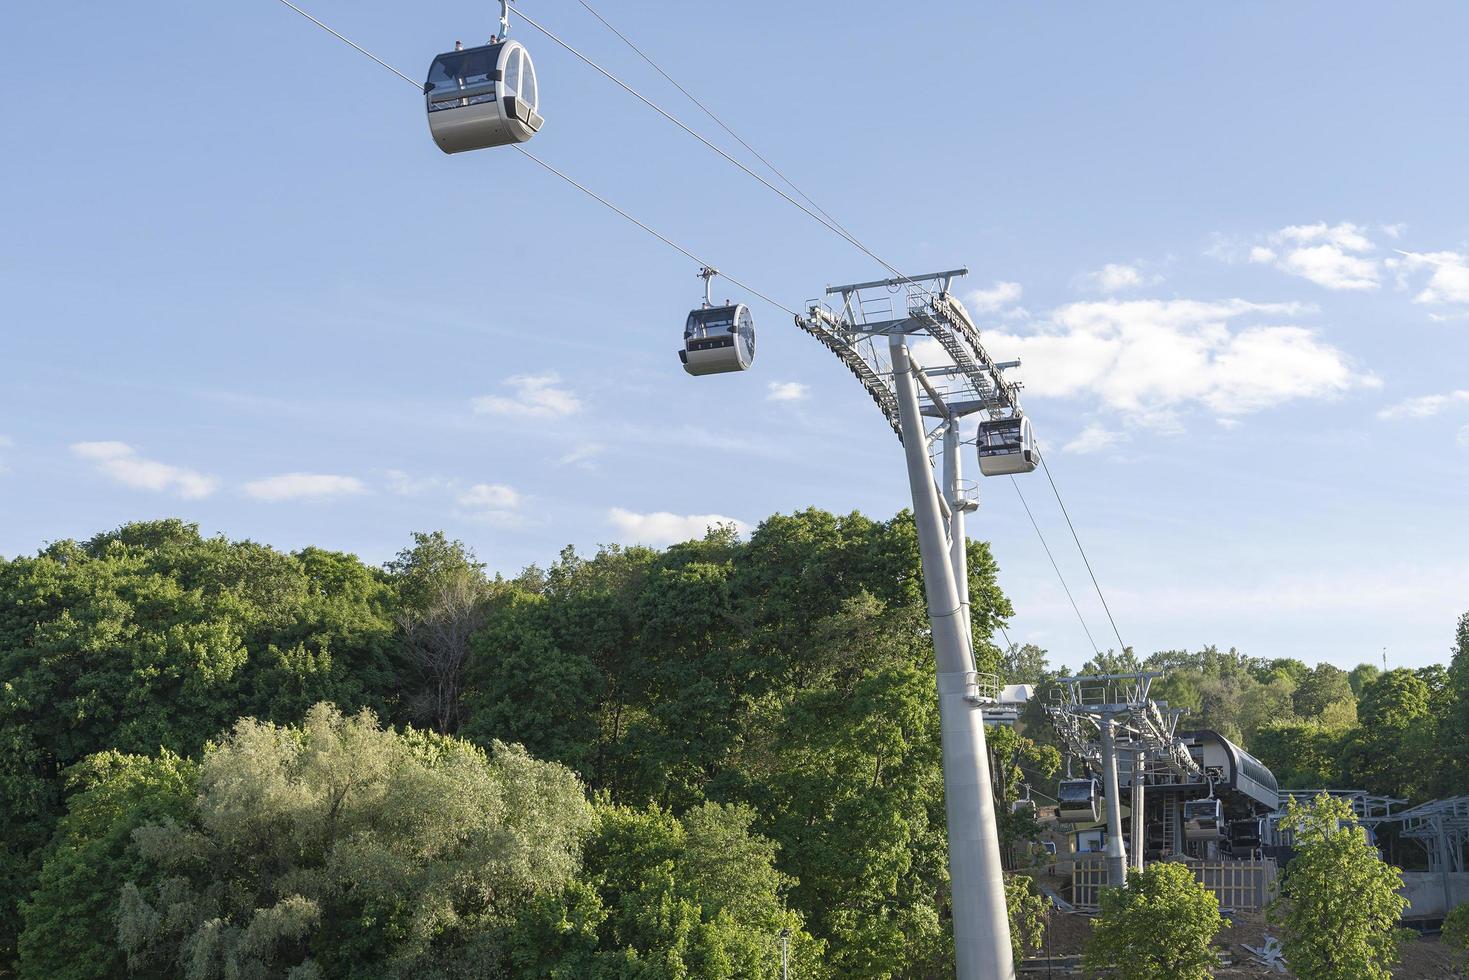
x: 722, y: 739
x: 782, y: 683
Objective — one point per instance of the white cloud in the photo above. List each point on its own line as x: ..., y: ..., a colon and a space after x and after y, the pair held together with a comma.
x: 1423, y: 407
x: 1094, y: 438
x: 121, y: 462
x: 490, y: 495
x: 1115, y: 277
x: 1394, y: 231
x: 582, y: 455
x: 662, y: 528
x: 787, y: 391
x: 303, y: 486
x: 998, y: 296
x: 493, y: 503
x: 1449, y: 281
x: 1328, y: 255
x: 403, y: 484
x: 1151, y: 357
x: 537, y: 396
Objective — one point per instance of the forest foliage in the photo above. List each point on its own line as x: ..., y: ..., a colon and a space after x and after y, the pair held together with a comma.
x: 734, y: 737
x: 220, y: 759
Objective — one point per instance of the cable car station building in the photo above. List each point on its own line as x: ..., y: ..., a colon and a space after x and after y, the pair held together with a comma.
x: 1147, y: 792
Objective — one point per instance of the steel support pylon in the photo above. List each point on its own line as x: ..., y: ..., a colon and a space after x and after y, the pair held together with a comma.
x: 1116, y: 853
x: 981, y: 923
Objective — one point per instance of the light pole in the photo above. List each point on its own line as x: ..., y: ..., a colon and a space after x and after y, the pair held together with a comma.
x: 785, y: 958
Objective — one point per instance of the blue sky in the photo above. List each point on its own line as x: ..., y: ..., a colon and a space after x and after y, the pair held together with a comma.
x: 239, y: 284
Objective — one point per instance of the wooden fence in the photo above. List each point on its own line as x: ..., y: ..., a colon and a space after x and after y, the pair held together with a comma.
x: 1237, y: 884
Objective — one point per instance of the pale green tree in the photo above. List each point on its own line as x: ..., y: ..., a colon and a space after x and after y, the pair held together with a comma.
x: 1160, y: 926
x: 1339, y: 902
x: 338, y: 848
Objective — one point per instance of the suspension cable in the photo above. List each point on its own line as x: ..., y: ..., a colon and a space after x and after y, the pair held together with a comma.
x: 830, y: 225
x: 1121, y: 647
x: 349, y: 41
x: 581, y: 187
x: 667, y: 241
x: 711, y: 114
x: 1066, y: 588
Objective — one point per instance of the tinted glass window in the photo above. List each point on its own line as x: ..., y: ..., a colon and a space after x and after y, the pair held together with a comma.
x: 999, y: 438
x: 713, y: 323
x: 512, y: 73
x: 460, y: 68
x: 528, y: 83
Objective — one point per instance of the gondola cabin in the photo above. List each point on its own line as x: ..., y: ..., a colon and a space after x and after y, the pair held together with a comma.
x: 1007, y: 446
x: 718, y: 340
x: 1078, y: 801
x: 482, y: 97
x: 1203, y: 819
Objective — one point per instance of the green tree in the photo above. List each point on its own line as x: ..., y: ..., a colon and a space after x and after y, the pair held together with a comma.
x: 1339, y: 901
x: 1301, y: 754
x: 1392, y: 751
x: 341, y: 849
x: 1324, y: 685
x: 1362, y: 675
x: 1025, y: 664
x: 153, y: 636
x: 70, y: 920
x: 1160, y: 926
x: 1455, y: 726
x: 1028, y: 913
x: 1456, y: 933
x: 667, y: 898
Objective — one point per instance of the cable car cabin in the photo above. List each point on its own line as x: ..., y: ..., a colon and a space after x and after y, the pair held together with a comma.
x: 1077, y: 801
x: 718, y: 339
x: 1203, y: 819
x: 480, y: 97
x: 1023, y: 806
x: 1007, y: 446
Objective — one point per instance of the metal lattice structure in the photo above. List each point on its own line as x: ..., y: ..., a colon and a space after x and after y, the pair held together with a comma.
x: 869, y: 330
x: 967, y: 381
x: 1099, y: 717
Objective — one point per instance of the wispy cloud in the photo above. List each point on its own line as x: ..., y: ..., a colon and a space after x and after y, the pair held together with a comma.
x: 582, y: 455
x: 1333, y: 256
x: 663, y: 528
x: 786, y: 391
x: 121, y: 462
x: 404, y: 484
x: 303, y: 486
x: 1115, y: 277
x: 1448, y: 280
x: 536, y: 396
x: 1093, y: 439
x: 1425, y: 406
x: 492, y: 503
x: 997, y: 297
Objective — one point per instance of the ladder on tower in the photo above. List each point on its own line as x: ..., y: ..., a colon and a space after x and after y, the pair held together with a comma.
x: 1170, y: 828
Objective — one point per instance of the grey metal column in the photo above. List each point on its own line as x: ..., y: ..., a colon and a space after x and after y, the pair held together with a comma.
x: 1444, y: 864
x: 981, y: 925
x: 1116, y: 853
x: 1137, y: 810
x: 958, y: 543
